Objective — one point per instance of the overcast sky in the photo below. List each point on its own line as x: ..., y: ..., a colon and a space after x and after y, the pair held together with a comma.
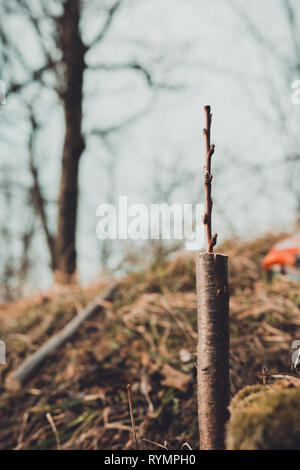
x: 204, y: 50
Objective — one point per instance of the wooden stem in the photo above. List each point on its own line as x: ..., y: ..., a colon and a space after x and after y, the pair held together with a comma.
x: 210, y: 150
x: 132, y: 417
x: 213, y: 349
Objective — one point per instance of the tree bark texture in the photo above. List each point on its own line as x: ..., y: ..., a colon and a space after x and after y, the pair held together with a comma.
x: 213, y: 349
x: 73, y: 59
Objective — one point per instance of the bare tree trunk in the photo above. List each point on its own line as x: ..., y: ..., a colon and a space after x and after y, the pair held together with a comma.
x: 36, y: 191
x: 73, y: 59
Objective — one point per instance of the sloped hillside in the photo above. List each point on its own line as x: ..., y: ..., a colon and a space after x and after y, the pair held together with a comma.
x: 145, y: 337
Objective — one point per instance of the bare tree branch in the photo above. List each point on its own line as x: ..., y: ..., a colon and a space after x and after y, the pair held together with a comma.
x: 21, y: 7
x: 37, y: 28
x: 293, y: 29
x: 109, y: 19
x: 39, y: 202
x: 104, y: 132
x: 135, y: 66
x: 258, y: 35
x: 36, y: 76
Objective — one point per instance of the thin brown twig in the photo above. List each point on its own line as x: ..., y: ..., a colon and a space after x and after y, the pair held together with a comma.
x: 187, y: 445
x: 22, y: 431
x: 54, y: 429
x: 210, y: 149
x: 132, y: 417
x: 162, y: 446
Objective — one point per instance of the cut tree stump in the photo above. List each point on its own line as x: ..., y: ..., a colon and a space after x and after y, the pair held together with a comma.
x: 213, y: 349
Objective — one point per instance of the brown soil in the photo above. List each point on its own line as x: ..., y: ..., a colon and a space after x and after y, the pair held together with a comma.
x: 146, y: 337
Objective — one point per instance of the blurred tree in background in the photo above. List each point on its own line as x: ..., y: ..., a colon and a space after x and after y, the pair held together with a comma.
x: 104, y: 98
x: 63, y: 62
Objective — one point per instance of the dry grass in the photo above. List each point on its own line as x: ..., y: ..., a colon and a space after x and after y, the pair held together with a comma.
x: 146, y: 337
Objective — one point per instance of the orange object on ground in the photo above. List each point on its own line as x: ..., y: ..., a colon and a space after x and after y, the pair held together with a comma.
x: 283, y: 253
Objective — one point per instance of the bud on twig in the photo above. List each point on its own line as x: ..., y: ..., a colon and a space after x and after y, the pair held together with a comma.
x: 210, y: 150
x: 213, y: 326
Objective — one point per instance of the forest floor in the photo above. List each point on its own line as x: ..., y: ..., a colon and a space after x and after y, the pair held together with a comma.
x: 145, y: 337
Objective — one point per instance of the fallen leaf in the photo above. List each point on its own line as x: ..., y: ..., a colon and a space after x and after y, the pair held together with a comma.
x: 175, y: 379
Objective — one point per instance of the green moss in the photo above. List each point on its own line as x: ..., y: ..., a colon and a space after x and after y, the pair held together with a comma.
x: 243, y: 394
x: 265, y: 418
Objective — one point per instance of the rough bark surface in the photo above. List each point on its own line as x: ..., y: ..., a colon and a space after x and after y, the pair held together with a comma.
x: 73, y: 58
x: 213, y: 349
